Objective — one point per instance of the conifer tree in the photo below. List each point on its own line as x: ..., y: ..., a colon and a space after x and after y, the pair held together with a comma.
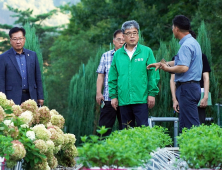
x: 83, y: 111
x: 32, y: 43
x: 205, y: 44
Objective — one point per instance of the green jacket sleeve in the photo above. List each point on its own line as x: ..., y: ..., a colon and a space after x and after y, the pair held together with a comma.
x: 112, y: 80
x: 153, y: 77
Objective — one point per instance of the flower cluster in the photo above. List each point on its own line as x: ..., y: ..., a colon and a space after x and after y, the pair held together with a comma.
x: 41, y: 132
x: 42, y: 129
x: 44, y: 115
x: 30, y: 134
x: 17, y: 111
x: 31, y: 106
x: 58, y: 120
x: 18, y: 154
x: 27, y: 117
x: 3, y: 100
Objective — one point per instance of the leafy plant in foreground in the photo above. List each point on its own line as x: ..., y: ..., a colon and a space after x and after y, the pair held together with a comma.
x: 201, y: 147
x: 128, y: 148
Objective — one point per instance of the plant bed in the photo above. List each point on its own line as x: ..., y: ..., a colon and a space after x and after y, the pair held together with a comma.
x: 125, y: 148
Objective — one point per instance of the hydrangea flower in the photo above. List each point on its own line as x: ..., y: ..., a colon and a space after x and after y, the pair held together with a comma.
x: 57, y: 149
x: 51, y: 146
x: 71, y: 152
x: 69, y: 140
x: 41, y: 145
x: 58, y: 120
x: 31, y: 106
x: 41, y: 132
x: 12, y: 131
x: 10, y: 102
x: 19, y: 151
x: 52, y: 161
x: 27, y: 117
x: 53, y: 112
x: 42, y: 166
x: 2, y: 114
x: 57, y: 135
x: 44, y: 115
x: 30, y: 134
x: 17, y: 111
x: 3, y: 100
x: 8, y: 123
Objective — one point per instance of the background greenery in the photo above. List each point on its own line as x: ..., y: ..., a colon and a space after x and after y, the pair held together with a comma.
x: 71, y: 53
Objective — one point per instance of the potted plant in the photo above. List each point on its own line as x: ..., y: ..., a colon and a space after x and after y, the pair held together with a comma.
x: 125, y: 148
x: 201, y: 147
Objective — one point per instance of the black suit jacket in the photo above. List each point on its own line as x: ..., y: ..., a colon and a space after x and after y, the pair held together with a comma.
x: 11, y: 79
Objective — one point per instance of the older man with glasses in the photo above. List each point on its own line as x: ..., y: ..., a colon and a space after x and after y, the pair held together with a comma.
x: 108, y: 113
x: 20, y: 75
x: 131, y: 86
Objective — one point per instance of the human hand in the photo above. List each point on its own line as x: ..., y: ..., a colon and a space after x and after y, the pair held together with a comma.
x: 99, y: 97
x: 203, y: 103
x: 40, y: 102
x: 114, y: 103
x: 157, y: 65
x: 151, y: 102
x: 176, y: 106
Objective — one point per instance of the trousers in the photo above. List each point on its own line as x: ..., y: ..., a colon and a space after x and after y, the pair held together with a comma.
x: 134, y: 112
x: 188, y: 96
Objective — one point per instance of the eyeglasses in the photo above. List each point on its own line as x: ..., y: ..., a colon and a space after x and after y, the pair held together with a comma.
x: 120, y: 39
x: 129, y: 34
x: 19, y: 39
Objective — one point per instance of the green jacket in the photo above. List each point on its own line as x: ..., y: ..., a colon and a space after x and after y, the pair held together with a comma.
x: 129, y: 80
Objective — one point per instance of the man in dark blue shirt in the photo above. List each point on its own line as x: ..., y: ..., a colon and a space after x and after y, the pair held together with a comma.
x: 20, y: 76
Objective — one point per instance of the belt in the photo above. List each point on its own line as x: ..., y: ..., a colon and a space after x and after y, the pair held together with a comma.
x: 186, y: 82
x: 25, y: 91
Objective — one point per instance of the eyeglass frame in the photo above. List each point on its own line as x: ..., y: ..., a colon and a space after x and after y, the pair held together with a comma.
x: 129, y: 34
x: 19, y: 39
x: 120, y: 39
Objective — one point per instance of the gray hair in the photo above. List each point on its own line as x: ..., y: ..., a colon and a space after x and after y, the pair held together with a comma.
x: 130, y: 24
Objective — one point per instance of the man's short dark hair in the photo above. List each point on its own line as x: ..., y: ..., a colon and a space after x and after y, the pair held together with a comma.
x: 182, y: 22
x: 117, y: 32
x: 16, y: 29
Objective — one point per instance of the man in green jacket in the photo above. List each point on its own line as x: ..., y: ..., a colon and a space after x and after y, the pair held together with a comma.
x: 131, y: 86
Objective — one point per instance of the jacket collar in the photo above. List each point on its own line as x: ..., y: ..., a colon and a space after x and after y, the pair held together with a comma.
x: 138, y: 49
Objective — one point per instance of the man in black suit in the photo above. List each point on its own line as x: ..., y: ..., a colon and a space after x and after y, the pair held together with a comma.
x: 20, y: 75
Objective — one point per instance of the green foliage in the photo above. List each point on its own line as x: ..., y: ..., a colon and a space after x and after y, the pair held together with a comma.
x: 82, y: 93
x: 32, y: 43
x: 33, y: 155
x: 128, y: 148
x: 201, y: 146
x: 65, y: 59
x: 5, y: 146
x: 205, y: 44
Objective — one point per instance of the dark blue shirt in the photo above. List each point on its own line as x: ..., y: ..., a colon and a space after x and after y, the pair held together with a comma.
x: 23, y: 68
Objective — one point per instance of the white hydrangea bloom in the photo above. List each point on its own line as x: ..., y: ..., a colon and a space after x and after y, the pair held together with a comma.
x: 2, y: 95
x: 8, y: 123
x: 27, y: 116
x: 39, y: 126
x: 31, y: 135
